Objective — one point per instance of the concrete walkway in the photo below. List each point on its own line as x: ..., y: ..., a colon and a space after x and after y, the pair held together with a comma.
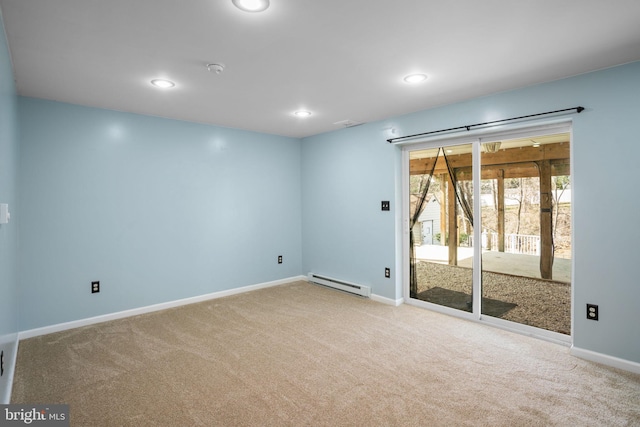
x: 499, y: 262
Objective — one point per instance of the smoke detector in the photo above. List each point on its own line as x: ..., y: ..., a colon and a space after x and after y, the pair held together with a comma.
x: 215, y: 68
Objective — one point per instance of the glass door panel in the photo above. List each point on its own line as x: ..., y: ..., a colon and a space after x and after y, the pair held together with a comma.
x: 441, y: 226
x: 526, y: 233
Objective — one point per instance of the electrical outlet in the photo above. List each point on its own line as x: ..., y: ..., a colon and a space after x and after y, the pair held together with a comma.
x: 386, y: 205
x: 95, y: 287
x: 387, y: 272
x: 1, y: 363
x: 279, y: 259
x: 592, y: 312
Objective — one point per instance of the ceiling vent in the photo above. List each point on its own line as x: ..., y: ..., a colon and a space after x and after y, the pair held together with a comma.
x: 348, y: 123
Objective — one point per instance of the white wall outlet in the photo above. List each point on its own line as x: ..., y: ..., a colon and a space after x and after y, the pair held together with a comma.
x: 4, y: 213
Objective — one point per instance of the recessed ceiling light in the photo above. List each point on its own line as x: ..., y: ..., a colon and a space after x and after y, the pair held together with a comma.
x: 251, y: 5
x: 302, y: 113
x: 415, y: 78
x: 162, y: 83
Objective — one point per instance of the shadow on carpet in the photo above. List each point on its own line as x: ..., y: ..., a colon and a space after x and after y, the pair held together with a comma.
x: 462, y: 301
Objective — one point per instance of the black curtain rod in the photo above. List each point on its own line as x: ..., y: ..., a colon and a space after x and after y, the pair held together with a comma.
x: 468, y: 127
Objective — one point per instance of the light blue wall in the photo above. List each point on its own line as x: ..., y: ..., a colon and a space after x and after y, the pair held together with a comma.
x: 346, y: 173
x: 155, y: 209
x: 8, y: 232
x: 346, y: 176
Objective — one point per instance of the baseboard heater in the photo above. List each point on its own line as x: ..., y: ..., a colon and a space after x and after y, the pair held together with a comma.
x: 353, y: 288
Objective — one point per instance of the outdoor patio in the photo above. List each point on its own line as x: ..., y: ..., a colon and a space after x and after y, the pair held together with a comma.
x: 498, y: 262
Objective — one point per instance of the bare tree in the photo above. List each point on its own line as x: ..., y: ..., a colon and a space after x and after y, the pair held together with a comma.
x: 559, y: 185
x: 520, y: 200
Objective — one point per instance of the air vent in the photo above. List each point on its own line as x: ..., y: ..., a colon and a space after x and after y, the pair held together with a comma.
x: 347, y: 123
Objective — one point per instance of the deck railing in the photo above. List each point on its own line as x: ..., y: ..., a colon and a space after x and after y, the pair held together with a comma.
x: 513, y: 243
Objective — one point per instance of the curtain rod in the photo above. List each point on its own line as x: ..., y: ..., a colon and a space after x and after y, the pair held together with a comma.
x: 468, y: 127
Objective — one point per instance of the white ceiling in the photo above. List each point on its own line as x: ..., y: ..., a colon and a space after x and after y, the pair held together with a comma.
x: 341, y: 60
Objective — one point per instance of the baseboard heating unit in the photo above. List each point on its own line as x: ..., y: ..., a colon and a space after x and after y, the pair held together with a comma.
x: 353, y: 288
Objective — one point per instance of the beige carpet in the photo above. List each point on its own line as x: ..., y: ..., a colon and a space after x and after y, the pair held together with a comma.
x: 303, y: 355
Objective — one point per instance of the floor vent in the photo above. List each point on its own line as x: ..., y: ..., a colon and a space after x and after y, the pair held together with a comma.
x: 361, y: 290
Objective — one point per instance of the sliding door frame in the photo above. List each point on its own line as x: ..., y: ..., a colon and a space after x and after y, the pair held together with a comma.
x: 476, y: 138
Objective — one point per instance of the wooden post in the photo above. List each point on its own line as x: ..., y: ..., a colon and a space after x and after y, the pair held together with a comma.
x: 453, y: 223
x: 546, y: 229
x: 501, y: 210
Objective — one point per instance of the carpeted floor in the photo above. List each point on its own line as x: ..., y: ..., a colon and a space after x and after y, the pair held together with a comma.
x: 303, y: 355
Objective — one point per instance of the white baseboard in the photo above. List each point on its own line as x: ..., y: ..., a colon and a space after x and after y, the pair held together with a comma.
x: 605, y: 359
x: 10, y: 348
x: 150, y: 308
x: 388, y: 301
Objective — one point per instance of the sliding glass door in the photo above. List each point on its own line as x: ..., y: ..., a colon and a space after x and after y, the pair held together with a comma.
x: 441, y: 222
x: 489, y: 227
x: 526, y: 231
